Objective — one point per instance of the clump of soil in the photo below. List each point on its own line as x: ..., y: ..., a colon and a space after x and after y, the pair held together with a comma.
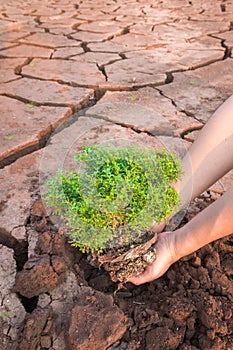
x: 189, y: 308
x: 129, y: 261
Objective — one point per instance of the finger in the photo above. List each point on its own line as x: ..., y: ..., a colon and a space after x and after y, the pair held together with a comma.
x: 138, y: 280
x: 144, y: 277
x: 158, y: 227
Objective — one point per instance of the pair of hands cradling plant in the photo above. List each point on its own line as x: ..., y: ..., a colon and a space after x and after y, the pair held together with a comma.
x: 208, y: 159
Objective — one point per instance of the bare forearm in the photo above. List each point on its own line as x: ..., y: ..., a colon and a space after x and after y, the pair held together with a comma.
x: 215, y: 222
x: 208, y: 159
x: 211, y: 155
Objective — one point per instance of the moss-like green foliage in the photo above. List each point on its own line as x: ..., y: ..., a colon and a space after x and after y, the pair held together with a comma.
x: 115, y: 190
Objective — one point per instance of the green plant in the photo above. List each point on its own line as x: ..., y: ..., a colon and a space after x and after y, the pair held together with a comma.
x: 117, y: 191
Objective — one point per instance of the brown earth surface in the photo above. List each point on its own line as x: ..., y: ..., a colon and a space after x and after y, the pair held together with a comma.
x: 89, y: 72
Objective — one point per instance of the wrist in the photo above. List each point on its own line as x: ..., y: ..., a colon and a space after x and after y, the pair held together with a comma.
x: 174, y: 245
x: 184, y: 243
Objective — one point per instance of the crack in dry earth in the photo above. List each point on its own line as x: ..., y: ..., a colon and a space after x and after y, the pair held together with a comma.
x: 152, y: 56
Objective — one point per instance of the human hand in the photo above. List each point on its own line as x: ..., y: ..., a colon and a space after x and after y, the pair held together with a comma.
x: 166, y: 256
x: 157, y: 228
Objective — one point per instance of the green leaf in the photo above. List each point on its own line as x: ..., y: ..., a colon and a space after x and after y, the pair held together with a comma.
x: 133, y: 97
x: 5, y: 314
x: 30, y: 105
x: 193, y: 82
x: 9, y: 137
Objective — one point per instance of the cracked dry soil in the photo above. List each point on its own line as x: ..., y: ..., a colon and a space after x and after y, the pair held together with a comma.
x: 163, y: 68
x: 72, y: 305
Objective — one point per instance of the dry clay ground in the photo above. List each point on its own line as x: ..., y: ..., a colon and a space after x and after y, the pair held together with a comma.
x: 135, y: 70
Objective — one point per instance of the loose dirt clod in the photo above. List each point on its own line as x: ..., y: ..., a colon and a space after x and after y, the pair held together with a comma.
x: 129, y: 263
x: 142, y: 71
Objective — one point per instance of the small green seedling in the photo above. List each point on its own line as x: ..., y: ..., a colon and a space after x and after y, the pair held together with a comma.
x: 30, y: 105
x: 133, y: 97
x: 193, y: 82
x: 9, y: 137
x: 116, y: 190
